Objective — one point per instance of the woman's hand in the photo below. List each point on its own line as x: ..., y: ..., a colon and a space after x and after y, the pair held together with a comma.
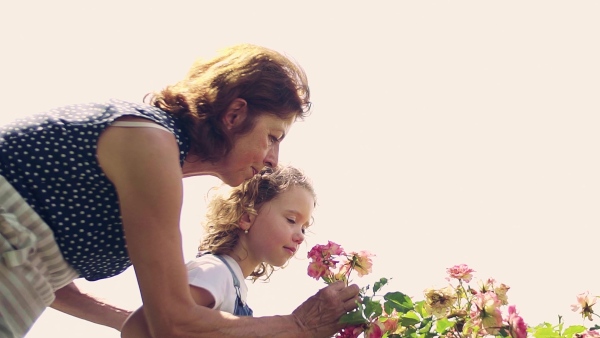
x: 320, y: 314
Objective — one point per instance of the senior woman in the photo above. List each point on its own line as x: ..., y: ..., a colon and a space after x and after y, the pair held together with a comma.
x: 88, y: 190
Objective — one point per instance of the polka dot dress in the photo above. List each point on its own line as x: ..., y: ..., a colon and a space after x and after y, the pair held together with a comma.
x: 50, y: 158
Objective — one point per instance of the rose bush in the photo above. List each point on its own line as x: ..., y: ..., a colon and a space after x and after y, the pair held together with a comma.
x: 463, y: 308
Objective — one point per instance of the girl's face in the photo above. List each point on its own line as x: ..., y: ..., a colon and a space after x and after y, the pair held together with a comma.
x: 277, y: 231
x: 255, y: 149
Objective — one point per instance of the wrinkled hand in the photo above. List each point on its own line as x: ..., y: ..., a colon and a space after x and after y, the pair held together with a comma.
x: 319, y: 315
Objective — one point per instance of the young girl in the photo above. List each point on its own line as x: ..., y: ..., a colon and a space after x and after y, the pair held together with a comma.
x: 257, y: 226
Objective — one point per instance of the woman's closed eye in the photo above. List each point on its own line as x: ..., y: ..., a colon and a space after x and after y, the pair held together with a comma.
x: 273, y: 139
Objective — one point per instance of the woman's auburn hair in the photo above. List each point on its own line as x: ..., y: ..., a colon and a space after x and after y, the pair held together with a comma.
x: 268, y: 81
x: 224, y: 212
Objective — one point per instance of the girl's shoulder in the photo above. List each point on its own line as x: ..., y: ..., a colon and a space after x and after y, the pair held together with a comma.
x: 209, y: 270
x: 208, y: 261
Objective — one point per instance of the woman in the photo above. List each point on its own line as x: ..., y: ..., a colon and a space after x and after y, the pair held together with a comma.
x: 79, y: 179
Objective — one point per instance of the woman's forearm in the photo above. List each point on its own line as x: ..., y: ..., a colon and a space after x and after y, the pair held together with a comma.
x: 72, y: 301
x: 212, y: 323
x: 317, y: 317
x: 273, y: 326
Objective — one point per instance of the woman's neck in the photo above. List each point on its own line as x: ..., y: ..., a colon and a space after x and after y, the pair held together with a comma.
x: 193, y: 166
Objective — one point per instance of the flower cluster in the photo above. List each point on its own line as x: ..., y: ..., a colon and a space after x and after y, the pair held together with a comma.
x: 325, y: 260
x: 474, y: 310
x: 463, y: 308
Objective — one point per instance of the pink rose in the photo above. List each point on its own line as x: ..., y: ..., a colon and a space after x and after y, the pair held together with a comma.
x: 361, y: 262
x: 486, y: 312
x: 516, y: 325
x: 588, y: 334
x: 375, y: 330
x: 390, y: 325
x: 350, y: 332
x: 317, y: 269
x: 585, y: 303
x: 322, y: 259
x: 461, y: 272
x: 325, y: 251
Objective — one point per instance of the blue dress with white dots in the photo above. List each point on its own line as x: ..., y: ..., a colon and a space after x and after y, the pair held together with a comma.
x: 50, y: 159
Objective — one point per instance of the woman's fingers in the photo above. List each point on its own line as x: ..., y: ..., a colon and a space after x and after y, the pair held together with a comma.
x: 320, y: 314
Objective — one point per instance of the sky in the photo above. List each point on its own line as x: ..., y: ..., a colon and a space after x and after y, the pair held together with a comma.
x: 441, y: 132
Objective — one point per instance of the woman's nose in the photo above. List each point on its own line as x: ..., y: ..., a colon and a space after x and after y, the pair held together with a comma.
x: 272, y: 158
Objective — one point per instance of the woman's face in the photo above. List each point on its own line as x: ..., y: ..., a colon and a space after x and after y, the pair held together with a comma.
x: 255, y: 149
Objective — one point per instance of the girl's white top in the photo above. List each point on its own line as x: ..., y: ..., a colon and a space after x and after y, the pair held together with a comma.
x: 210, y: 273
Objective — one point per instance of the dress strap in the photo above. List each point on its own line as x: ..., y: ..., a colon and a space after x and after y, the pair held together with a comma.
x: 138, y: 124
x: 241, y: 308
x: 236, y: 282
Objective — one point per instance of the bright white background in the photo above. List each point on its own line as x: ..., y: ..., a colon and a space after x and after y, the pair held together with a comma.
x: 442, y: 132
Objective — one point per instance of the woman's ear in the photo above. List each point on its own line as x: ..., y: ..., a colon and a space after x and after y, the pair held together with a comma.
x: 236, y: 114
x: 246, y: 221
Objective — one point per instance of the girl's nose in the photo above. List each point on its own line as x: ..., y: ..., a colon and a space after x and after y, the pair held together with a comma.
x: 298, y: 237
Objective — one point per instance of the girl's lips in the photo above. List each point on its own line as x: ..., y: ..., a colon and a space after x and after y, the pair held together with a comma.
x: 291, y: 250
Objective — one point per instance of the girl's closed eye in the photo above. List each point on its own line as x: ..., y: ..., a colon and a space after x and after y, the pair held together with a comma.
x: 293, y: 221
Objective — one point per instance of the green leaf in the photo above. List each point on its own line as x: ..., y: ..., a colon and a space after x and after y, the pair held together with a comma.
x: 410, y: 333
x: 409, y: 319
x: 573, y: 329
x: 503, y: 333
x: 543, y: 325
x: 366, y: 301
x: 398, y: 301
x: 353, y: 318
x: 545, y: 332
x: 428, y: 335
x: 378, y: 285
x: 426, y: 325
x: 372, y: 307
x: 420, y: 308
x: 443, y: 325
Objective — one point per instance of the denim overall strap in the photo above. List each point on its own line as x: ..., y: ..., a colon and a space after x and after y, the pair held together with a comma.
x: 236, y: 282
x: 241, y: 309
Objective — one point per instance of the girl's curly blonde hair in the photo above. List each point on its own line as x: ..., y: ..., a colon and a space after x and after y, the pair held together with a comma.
x: 224, y: 212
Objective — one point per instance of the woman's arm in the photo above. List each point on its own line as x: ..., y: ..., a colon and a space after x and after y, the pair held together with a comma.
x: 143, y: 163
x: 136, y: 325
x: 72, y: 301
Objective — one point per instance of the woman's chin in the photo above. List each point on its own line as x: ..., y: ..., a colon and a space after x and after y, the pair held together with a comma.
x: 233, y: 182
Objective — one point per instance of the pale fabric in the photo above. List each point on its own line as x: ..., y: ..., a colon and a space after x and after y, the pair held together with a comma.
x: 135, y: 124
x: 31, y: 265
x: 210, y: 273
